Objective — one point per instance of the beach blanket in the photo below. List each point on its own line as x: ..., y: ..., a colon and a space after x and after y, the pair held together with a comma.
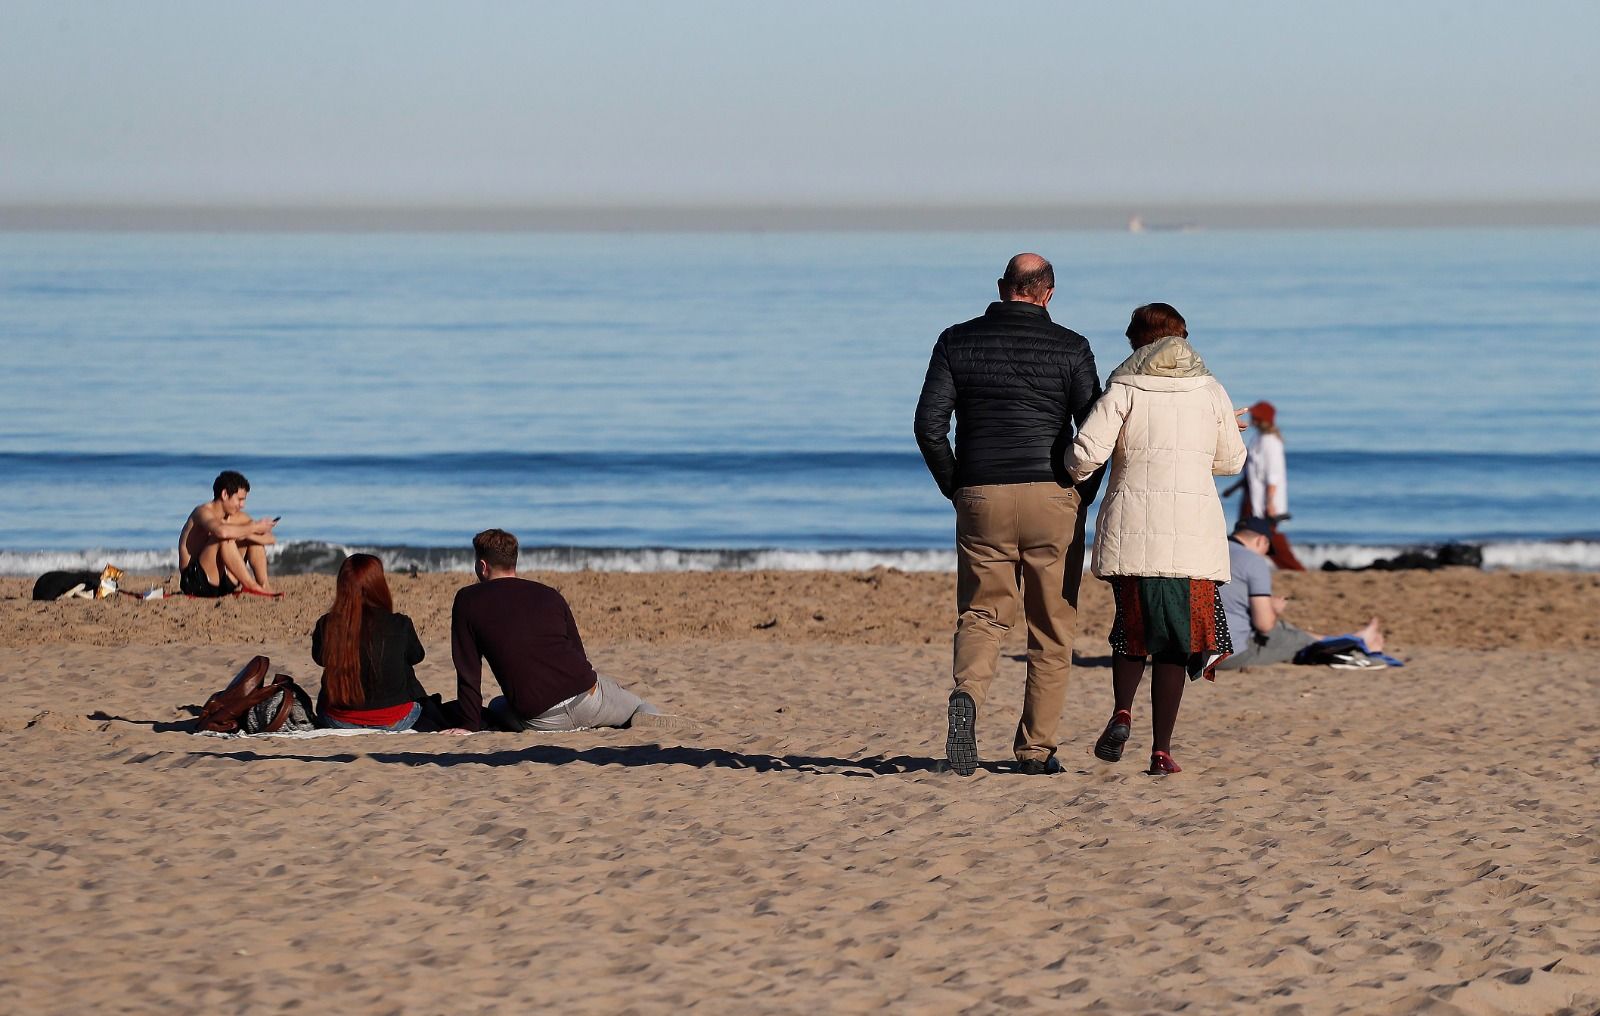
x: 301, y: 735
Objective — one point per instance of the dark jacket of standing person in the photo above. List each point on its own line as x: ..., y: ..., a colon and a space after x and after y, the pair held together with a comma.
x: 1016, y: 382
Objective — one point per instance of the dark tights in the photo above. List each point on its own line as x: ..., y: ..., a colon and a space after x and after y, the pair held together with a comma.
x: 1166, y: 691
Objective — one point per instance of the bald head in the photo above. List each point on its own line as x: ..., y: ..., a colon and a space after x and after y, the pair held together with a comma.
x: 1028, y: 278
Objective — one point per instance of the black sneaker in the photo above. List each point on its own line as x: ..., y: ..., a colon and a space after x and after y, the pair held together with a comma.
x: 1109, y: 747
x: 961, y: 743
x: 1039, y: 766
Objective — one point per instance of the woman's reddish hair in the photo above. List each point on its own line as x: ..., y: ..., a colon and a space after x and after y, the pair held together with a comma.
x: 1155, y: 321
x: 360, y: 591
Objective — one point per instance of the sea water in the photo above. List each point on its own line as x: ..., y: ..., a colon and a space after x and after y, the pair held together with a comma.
x: 670, y: 401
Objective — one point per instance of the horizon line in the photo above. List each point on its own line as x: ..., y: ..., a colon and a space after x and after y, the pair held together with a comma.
x: 780, y: 216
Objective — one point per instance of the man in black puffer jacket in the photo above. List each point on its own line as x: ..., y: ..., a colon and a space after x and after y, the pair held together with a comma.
x: 1017, y: 383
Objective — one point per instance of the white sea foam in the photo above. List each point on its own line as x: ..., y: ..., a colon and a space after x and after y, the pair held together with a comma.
x: 140, y: 562
x: 1345, y: 555
x: 669, y: 559
x: 666, y: 559
x: 1498, y: 555
x: 1533, y: 555
x: 316, y: 556
x: 37, y: 562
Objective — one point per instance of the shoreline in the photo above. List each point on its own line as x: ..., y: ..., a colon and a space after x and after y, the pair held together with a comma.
x: 1572, y: 554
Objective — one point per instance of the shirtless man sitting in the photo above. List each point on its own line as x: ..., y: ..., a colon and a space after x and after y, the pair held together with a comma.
x: 221, y: 549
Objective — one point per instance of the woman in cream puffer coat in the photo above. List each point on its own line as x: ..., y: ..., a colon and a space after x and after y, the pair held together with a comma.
x: 1160, y: 538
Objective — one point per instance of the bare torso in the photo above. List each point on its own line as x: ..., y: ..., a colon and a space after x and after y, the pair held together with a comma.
x: 199, y: 540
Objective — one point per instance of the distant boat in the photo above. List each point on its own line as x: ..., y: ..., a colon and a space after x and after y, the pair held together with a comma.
x: 1136, y: 224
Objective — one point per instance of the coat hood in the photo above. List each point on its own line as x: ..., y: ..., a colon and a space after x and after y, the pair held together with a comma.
x: 1168, y: 364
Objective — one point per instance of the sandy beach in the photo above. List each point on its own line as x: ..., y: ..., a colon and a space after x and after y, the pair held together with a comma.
x: 1412, y: 840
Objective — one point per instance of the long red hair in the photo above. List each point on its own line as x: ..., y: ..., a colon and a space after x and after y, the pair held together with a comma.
x: 361, y: 591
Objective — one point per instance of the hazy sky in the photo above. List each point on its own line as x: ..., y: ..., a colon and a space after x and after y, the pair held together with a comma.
x: 690, y: 101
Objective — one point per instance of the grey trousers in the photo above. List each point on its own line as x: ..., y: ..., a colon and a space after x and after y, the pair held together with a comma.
x: 609, y: 705
x: 1278, y: 646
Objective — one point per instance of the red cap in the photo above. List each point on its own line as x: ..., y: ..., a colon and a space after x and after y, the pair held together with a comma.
x: 1264, y: 412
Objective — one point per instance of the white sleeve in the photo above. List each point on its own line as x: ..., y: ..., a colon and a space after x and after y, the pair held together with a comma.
x: 1097, y: 438
x: 1230, y: 453
x: 1277, y: 469
x: 1277, y: 473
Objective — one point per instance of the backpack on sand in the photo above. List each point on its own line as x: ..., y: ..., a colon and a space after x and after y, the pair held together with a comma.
x: 251, y: 704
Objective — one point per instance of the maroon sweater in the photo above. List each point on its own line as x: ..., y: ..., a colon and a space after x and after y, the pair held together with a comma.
x: 526, y: 632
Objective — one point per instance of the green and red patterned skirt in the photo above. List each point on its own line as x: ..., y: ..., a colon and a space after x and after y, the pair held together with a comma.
x: 1170, y: 618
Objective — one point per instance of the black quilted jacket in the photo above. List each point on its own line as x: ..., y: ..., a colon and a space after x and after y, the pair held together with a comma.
x: 1017, y: 382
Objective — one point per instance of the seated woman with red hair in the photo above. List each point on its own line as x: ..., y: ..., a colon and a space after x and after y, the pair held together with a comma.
x: 367, y: 652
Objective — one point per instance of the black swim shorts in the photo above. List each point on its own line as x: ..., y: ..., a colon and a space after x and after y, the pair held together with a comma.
x: 193, y: 582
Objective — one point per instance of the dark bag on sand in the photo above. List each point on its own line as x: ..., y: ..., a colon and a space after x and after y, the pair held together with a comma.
x: 251, y: 704
x: 1329, y: 651
x: 288, y: 711
x: 1345, y: 652
x: 1451, y: 555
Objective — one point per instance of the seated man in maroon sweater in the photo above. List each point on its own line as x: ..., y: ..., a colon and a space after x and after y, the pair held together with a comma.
x: 526, y: 632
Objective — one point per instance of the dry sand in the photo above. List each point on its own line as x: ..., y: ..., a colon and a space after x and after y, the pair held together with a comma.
x: 1416, y: 840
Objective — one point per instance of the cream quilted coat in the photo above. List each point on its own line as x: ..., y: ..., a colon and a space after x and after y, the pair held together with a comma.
x: 1168, y: 427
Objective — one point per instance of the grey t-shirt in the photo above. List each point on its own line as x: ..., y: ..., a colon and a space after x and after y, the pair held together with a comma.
x: 1251, y: 575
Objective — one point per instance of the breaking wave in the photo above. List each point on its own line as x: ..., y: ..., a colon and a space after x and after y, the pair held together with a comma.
x: 318, y: 557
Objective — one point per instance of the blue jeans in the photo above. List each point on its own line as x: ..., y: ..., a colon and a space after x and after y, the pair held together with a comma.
x: 405, y: 722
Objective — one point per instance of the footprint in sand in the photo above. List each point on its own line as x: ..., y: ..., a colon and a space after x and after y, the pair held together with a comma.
x: 48, y: 720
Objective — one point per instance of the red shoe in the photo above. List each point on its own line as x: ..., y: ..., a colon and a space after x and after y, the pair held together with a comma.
x: 1161, y: 764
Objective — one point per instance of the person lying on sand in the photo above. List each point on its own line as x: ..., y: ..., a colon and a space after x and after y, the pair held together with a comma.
x: 1252, y: 608
x: 221, y: 550
x: 526, y: 631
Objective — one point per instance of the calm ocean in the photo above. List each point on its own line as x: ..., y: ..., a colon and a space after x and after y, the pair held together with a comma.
x: 745, y: 400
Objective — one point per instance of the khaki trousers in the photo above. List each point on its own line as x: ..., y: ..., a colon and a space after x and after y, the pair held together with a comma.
x: 1019, y: 543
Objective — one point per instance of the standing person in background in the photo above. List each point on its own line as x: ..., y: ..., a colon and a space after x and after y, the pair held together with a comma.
x: 1266, y: 476
x: 1159, y: 538
x: 1016, y: 382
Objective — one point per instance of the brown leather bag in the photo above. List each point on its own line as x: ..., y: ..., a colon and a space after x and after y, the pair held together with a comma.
x: 224, y: 711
